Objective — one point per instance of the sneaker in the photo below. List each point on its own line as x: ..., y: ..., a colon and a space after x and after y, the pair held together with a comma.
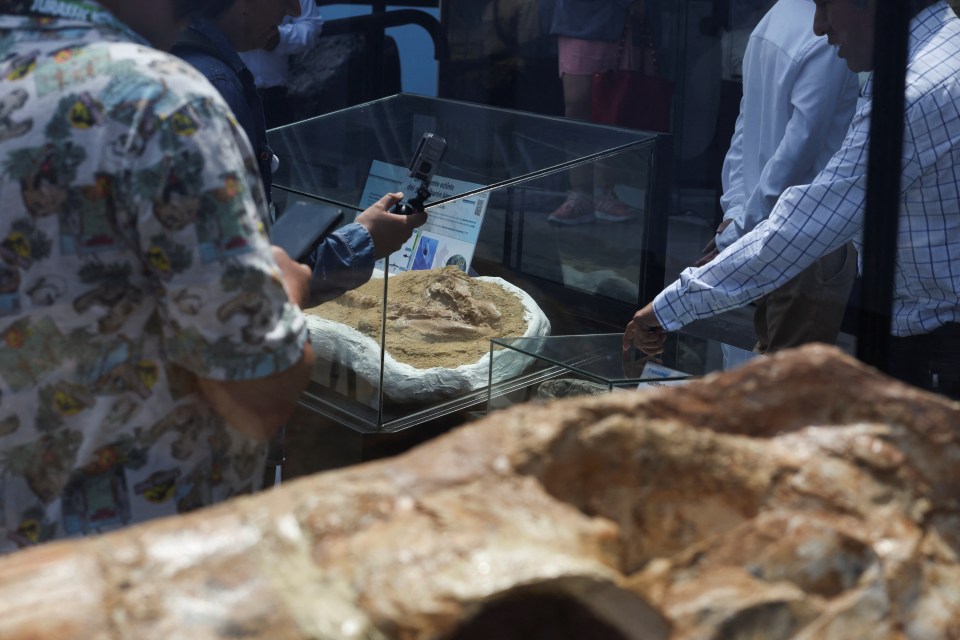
x: 612, y: 210
x: 576, y: 209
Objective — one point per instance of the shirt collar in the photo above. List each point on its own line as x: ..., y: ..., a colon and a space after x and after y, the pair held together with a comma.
x: 923, y: 25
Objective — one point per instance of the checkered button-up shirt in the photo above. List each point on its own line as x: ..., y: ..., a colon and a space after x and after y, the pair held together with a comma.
x: 811, y: 220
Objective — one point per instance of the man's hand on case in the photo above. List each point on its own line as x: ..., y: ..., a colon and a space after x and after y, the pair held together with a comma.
x: 644, y: 332
x: 389, y: 230
x: 296, y: 277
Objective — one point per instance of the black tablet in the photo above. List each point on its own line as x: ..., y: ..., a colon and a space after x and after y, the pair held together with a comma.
x: 302, y: 226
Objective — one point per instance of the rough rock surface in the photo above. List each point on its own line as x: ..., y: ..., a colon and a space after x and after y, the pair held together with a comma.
x: 800, y: 496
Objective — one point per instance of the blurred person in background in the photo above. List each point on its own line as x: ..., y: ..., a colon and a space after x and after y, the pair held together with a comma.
x: 270, y: 64
x: 798, y: 101
x: 345, y: 258
x: 595, y: 36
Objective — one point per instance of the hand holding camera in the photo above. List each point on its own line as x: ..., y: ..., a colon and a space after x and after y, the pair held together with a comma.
x: 388, y: 229
x: 422, y: 167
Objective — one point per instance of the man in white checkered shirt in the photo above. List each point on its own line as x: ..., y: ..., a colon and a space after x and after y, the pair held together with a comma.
x: 811, y: 220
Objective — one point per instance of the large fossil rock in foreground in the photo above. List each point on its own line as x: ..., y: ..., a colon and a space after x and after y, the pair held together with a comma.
x: 800, y: 496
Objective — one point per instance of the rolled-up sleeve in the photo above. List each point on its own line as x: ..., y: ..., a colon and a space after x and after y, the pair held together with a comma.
x: 343, y: 261
x: 808, y: 222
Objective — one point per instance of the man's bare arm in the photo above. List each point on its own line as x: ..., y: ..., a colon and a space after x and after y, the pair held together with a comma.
x: 257, y: 408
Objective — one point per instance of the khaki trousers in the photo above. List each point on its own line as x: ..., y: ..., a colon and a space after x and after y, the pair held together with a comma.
x: 810, y: 307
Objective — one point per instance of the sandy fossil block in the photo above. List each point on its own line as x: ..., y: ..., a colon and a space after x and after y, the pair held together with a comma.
x: 801, y: 496
x: 438, y: 325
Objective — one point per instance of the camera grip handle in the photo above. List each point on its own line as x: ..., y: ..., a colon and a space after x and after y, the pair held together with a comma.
x: 415, y: 205
x: 403, y: 209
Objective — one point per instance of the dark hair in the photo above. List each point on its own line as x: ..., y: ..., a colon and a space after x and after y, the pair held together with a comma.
x: 204, y: 8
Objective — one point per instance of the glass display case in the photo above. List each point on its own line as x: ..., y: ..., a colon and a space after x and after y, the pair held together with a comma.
x: 491, y: 251
x: 565, y: 366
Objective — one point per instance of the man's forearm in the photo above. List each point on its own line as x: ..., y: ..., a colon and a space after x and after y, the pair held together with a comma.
x: 257, y: 408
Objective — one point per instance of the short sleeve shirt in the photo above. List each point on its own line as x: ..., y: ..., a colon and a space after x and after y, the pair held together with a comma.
x: 133, y: 260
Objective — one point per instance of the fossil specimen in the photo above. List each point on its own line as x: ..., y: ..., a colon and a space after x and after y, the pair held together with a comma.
x: 436, y: 318
x: 800, y: 496
x: 438, y: 329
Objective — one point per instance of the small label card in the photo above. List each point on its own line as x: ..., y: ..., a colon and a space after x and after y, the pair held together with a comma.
x: 657, y: 375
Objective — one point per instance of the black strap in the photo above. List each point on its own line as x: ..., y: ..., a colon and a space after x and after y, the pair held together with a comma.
x: 192, y: 39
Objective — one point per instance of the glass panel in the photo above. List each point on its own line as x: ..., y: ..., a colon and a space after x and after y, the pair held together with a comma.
x: 600, y: 356
x: 506, y: 54
x: 594, y: 256
x: 561, y: 366
x: 331, y: 156
x: 528, y: 273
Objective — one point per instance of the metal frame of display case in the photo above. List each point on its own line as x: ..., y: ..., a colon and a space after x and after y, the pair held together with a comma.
x: 882, y: 215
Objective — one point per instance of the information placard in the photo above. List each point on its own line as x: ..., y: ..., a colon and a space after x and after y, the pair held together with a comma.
x: 660, y: 376
x: 450, y: 234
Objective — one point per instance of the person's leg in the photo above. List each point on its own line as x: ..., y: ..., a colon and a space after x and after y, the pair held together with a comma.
x: 577, y: 96
x: 614, y: 185
x: 577, y: 100
x: 810, y: 307
x: 578, y: 207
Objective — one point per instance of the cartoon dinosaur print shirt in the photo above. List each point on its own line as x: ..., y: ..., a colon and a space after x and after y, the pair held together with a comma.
x: 133, y: 259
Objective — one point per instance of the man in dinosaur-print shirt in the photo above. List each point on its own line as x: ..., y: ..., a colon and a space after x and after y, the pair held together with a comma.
x: 150, y: 336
